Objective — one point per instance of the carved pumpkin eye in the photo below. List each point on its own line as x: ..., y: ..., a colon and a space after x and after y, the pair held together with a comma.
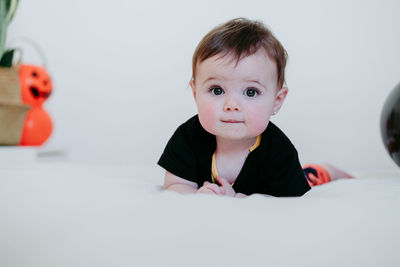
x: 35, y: 74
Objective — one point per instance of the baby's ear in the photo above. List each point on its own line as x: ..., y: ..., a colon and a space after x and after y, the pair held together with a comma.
x: 280, y: 97
x: 192, y: 85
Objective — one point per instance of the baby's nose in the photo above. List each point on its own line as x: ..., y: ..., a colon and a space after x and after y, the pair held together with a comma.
x: 231, y: 105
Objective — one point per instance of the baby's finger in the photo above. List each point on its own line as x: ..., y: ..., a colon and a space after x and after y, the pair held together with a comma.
x: 205, y: 190
x: 222, y: 181
x: 215, y: 188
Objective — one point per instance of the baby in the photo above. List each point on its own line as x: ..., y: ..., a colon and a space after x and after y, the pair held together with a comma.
x: 231, y: 147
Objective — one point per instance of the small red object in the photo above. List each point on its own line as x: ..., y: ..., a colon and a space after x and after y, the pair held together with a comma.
x: 37, y: 127
x: 36, y: 87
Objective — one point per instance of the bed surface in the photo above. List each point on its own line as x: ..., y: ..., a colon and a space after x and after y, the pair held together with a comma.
x: 64, y: 214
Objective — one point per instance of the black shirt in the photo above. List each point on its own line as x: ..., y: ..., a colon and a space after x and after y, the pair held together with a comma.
x: 272, y: 168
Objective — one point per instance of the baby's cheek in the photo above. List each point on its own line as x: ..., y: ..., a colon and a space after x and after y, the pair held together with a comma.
x: 207, y: 117
x: 259, y: 121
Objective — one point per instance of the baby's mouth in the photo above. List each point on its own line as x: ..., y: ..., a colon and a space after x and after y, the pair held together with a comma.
x: 231, y: 121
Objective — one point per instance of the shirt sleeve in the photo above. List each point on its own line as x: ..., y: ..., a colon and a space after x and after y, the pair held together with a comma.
x: 178, y: 157
x: 288, y: 176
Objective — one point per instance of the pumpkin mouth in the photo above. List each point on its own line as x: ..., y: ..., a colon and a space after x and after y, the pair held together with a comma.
x: 36, y: 93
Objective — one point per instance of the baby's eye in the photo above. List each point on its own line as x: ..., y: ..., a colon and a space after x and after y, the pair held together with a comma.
x: 216, y: 90
x: 251, y: 92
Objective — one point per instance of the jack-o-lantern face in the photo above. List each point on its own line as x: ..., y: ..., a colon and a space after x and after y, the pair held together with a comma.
x: 36, y: 85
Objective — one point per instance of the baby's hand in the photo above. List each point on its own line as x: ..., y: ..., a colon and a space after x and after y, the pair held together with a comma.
x: 209, y: 188
x: 226, y: 187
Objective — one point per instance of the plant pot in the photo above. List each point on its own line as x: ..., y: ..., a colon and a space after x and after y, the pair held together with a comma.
x: 12, y: 110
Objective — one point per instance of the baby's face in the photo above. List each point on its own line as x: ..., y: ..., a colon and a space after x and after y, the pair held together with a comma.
x: 235, y: 101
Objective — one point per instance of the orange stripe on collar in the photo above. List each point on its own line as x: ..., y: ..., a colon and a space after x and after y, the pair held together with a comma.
x: 214, y: 171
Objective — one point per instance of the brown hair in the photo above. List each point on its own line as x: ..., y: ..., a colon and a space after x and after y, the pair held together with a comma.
x: 241, y: 37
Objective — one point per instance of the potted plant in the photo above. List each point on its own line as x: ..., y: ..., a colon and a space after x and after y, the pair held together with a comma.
x: 7, y: 12
x: 12, y: 110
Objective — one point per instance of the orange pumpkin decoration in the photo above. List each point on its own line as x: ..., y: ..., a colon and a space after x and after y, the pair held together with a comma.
x: 36, y: 85
x: 37, y: 127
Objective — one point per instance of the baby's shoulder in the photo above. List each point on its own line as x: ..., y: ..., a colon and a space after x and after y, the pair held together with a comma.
x: 276, y: 135
x: 191, y: 128
x: 192, y: 133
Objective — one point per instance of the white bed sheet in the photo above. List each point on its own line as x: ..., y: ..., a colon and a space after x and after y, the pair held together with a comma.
x: 63, y: 214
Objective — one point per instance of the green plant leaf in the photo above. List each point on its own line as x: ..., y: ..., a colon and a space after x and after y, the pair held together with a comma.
x: 3, y: 25
x: 7, y: 12
x: 11, y: 7
x: 7, y: 58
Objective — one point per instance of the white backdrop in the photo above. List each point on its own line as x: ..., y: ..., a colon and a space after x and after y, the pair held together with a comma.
x: 121, y: 70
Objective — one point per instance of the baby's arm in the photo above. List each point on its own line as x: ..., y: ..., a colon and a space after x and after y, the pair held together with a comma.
x: 180, y: 185
x: 177, y: 184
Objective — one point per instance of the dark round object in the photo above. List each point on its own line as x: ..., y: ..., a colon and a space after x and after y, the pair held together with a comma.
x: 390, y: 124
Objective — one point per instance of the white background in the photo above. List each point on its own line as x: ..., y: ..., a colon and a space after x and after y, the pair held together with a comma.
x: 121, y: 70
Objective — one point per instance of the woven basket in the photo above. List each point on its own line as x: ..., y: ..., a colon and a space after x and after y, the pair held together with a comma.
x: 12, y: 110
